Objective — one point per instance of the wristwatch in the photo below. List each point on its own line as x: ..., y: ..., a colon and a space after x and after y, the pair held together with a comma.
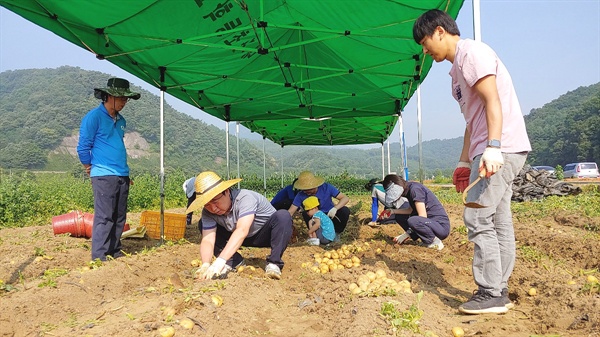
x: 494, y: 143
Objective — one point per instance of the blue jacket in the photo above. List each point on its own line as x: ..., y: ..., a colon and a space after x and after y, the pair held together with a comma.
x: 101, y: 143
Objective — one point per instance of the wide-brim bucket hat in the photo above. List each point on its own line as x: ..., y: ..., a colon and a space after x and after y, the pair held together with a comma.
x: 117, y: 87
x: 208, y: 185
x: 307, y: 181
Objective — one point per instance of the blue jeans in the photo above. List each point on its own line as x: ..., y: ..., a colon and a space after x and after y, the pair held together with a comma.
x: 491, y: 228
x: 110, y: 213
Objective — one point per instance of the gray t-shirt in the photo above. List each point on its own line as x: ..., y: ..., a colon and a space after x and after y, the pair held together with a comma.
x: 245, y: 202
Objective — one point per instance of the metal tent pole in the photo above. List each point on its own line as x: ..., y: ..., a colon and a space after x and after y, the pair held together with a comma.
x: 227, y: 148
x: 403, y: 157
x: 264, y: 168
x: 388, y: 157
x: 476, y: 20
x: 382, y: 162
x: 282, y: 166
x: 162, y: 166
x: 420, y: 137
x: 237, y: 139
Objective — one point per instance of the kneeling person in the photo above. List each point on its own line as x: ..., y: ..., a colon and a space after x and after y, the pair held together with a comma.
x: 232, y: 218
x: 320, y: 227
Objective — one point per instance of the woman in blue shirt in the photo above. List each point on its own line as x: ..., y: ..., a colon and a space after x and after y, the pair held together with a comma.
x: 427, y: 219
x: 310, y: 185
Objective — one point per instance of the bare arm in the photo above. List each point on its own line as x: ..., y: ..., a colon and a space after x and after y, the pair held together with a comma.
x: 293, y: 209
x: 314, y: 223
x: 343, y: 200
x: 464, y: 154
x: 408, y: 210
x: 237, y: 237
x: 488, y: 92
x: 486, y: 89
x: 207, y: 245
x: 421, y: 210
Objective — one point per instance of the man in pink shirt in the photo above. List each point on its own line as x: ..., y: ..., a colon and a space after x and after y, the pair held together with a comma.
x: 495, y: 139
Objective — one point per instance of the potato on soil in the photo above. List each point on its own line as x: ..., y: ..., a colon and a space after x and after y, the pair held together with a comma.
x: 166, y: 331
x: 458, y: 331
x: 187, y: 323
x: 380, y: 273
x: 217, y: 300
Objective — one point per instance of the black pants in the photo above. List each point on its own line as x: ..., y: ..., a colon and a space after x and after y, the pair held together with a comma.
x: 283, y: 204
x: 110, y: 213
x: 276, y: 233
x: 340, y: 220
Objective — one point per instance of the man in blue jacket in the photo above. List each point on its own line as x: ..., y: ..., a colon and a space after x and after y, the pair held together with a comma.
x: 102, y: 152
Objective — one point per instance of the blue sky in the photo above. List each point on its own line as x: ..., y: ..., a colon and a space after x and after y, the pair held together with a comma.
x: 549, y: 47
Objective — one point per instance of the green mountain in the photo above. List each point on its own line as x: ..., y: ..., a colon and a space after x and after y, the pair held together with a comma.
x: 41, y: 109
x: 567, y: 129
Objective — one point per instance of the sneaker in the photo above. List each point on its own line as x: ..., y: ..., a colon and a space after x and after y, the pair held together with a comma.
x: 313, y: 241
x: 273, y: 271
x: 402, y: 238
x: 483, y: 302
x: 507, y: 302
x: 436, y: 244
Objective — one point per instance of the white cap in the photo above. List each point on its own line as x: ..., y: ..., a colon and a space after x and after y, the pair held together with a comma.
x: 188, y: 187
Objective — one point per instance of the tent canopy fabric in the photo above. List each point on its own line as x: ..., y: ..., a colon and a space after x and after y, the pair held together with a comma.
x: 296, y: 71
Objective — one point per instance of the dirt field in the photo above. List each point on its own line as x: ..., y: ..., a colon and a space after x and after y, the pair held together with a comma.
x: 49, y: 288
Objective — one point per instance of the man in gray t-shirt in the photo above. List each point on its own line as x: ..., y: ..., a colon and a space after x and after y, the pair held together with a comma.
x: 232, y: 218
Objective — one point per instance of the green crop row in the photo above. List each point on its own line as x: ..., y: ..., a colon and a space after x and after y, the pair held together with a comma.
x: 28, y: 199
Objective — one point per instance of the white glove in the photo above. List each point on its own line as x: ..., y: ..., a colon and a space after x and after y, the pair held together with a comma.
x: 492, y: 159
x: 332, y: 212
x: 200, y: 272
x: 215, y: 270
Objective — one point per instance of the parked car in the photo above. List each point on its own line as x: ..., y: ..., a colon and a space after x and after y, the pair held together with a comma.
x: 550, y: 169
x: 581, y: 170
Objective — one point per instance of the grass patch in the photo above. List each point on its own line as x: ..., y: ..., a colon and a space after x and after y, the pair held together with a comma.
x: 403, y: 320
x: 50, y: 275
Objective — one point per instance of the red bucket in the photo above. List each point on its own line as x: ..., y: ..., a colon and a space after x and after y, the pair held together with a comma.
x: 72, y: 223
x: 77, y: 223
x: 88, y: 221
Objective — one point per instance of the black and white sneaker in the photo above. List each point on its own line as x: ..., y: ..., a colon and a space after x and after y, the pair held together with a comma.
x: 483, y: 302
x: 507, y: 302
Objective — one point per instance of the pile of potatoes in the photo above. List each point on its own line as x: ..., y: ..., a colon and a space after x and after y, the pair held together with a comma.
x: 341, y: 258
x: 373, y: 283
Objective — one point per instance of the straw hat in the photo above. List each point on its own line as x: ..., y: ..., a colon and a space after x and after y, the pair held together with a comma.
x: 310, y: 203
x: 307, y: 181
x: 208, y: 185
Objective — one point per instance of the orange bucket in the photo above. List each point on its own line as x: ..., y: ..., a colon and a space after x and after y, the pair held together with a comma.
x: 72, y: 223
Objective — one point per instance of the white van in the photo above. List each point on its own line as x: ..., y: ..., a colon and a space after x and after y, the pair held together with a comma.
x: 581, y: 170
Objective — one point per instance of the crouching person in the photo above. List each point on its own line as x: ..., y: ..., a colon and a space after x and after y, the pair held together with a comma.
x: 232, y: 218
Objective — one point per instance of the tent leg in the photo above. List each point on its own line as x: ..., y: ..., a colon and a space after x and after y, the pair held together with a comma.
x: 162, y: 167
x: 419, y: 128
x: 237, y: 138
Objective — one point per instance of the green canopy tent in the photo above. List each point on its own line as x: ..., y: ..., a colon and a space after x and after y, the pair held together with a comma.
x: 264, y: 63
x: 296, y: 71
